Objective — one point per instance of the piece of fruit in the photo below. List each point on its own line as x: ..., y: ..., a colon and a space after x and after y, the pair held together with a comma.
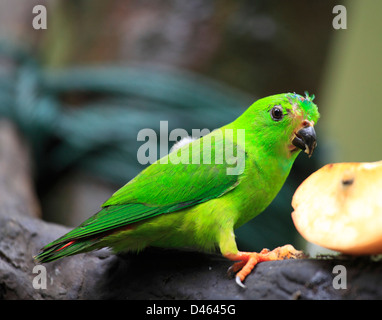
x: 339, y: 207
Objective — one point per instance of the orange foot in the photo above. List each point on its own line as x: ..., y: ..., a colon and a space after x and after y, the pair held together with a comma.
x: 248, y: 260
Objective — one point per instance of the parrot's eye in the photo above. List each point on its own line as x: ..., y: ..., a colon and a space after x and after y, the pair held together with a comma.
x: 277, y: 113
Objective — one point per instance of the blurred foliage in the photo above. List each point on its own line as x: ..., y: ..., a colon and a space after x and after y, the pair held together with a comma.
x: 352, y: 86
x: 107, y: 69
x: 91, y: 116
x: 261, y: 46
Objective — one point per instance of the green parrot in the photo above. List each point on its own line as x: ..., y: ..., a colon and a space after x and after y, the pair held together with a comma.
x: 198, y: 194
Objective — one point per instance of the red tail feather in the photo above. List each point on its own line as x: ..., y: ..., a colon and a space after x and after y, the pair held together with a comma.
x: 66, y: 245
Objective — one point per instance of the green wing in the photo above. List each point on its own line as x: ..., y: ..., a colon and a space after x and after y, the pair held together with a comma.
x: 164, y: 188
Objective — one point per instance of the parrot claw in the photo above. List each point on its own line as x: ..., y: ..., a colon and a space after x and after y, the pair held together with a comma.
x: 230, y: 272
x: 238, y: 281
x: 248, y: 260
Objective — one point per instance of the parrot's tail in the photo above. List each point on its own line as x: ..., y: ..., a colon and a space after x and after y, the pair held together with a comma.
x: 64, y: 249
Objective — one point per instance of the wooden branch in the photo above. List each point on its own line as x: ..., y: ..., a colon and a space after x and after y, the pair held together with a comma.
x: 165, y: 274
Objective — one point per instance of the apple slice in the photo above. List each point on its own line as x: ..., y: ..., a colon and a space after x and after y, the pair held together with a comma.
x: 339, y: 207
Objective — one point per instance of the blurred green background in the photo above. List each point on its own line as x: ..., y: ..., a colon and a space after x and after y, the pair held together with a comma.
x: 102, y: 70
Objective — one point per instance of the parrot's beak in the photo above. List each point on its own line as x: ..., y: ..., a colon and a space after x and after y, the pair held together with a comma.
x: 305, y: 139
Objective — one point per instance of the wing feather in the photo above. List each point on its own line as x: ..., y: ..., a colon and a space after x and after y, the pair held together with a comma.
x: 162, y: 188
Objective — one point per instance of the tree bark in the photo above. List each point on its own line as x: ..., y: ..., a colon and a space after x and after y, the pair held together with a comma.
x: 165, y: 274
x: 154, y: 273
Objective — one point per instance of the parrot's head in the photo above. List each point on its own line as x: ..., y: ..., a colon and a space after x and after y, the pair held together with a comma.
x: 284, y: 123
